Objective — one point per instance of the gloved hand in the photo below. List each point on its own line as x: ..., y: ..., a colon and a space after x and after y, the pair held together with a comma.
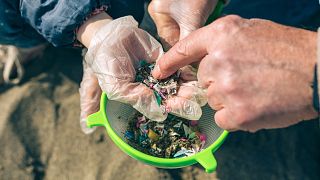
x: 90, y: 93
x: 175, y: 19
x: 113, y: 55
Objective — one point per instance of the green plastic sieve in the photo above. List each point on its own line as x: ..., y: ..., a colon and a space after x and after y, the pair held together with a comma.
x: 108, y: 115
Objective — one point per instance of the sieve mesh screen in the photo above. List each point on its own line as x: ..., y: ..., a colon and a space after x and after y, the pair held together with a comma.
x: 118, y: 115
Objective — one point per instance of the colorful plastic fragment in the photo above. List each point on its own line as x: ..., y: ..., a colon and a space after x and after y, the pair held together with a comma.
x: 163, y: 89
x: 173, y: 138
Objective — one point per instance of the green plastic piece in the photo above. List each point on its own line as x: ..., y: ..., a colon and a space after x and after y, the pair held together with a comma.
x: 192, y: 135
x: 216, y: 13
x: 158, y: 98
x: 205, y: 157
x: 143, y: 63
x: 138, y: 79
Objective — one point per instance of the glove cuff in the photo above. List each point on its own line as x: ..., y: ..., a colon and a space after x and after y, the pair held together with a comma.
x: 84, y: 127
x: 111, y: 27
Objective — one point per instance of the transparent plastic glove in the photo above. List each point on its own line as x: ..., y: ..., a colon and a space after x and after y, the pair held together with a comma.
x: 190, y: 109
x: 90, y: 93
x: 175, y: 19
x: 189, y: 89
x: 113, y: 55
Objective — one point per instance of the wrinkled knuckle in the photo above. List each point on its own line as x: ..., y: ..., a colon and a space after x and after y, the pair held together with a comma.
x: 233, y: 18
x: 242, y: 115
x: 164, y: 67
x: 227, y: 23
x: 242, y: 119
x: 220, y: 25
x: 228, y: 85
x: 183, y: 48
x: 222, y: 54
x: 257, y: 21
x: 151, y: 8
x: 254, y: 20
x: 219, y: 121
x: 202, y: 82
x: 214, y: 105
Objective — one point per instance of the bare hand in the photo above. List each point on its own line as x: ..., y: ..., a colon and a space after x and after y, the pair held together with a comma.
x: 258, y: 73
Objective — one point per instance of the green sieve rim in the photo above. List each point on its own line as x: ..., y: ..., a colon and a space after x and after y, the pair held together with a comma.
x: 205, y: 157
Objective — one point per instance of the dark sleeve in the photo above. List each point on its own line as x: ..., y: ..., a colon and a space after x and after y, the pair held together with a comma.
x: 57, y: 20
x: 13, y: 29
x: 120, y: 8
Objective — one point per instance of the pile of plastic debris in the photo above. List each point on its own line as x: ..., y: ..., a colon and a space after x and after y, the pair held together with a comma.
x: 173, y: 138
x: 164, y: 88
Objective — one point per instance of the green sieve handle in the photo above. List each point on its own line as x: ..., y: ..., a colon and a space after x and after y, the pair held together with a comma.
x: 99, y: 118
x: 96, y: 119
x: 208, y: 161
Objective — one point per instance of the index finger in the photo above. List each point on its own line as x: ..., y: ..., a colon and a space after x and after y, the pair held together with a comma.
x: 190, y: 49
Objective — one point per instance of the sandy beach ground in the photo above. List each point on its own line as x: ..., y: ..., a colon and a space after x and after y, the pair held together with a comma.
x: 40, y: 138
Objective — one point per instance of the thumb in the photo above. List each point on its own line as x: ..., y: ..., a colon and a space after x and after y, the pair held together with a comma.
x: 90, y: 93
x: 167, y: 28
x: 189, y: 50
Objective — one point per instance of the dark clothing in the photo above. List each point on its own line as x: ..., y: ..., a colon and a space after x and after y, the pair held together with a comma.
x: 298, y: 13
x: 26, y: 23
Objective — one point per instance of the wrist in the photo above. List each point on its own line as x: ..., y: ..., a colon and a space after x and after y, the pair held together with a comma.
x: 89, y: 28
x: 312, y: 67
x: 312, y: 63
x: 316, y: 90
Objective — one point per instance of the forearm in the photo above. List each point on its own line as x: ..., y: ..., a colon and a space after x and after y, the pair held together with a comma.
x: 317, y: 76
x: 89, y: 28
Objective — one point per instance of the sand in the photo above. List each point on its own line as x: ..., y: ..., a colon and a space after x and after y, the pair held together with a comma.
x: 40, y: 138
